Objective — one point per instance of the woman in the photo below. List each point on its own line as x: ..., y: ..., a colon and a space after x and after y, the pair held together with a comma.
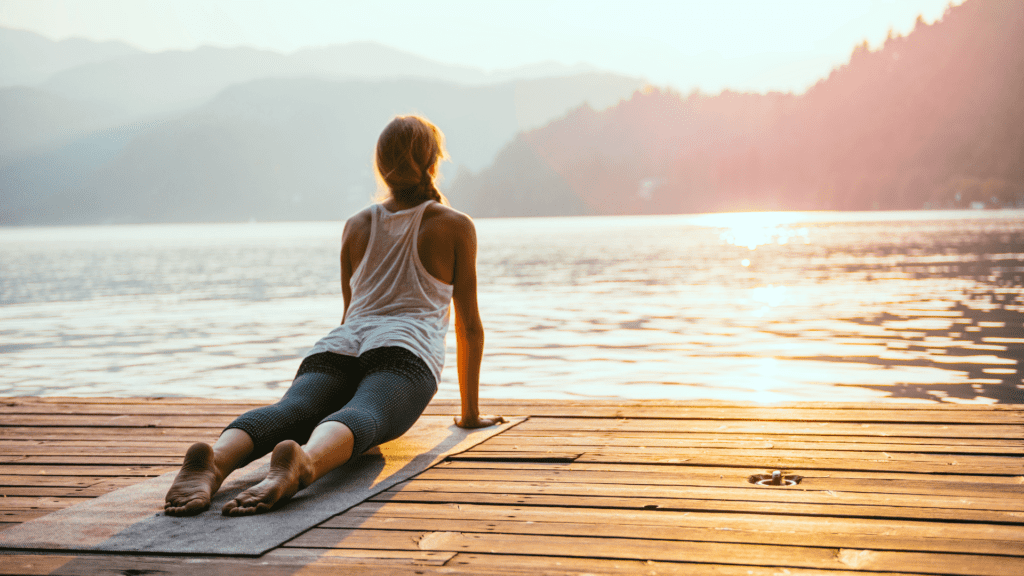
x: 403, y: 262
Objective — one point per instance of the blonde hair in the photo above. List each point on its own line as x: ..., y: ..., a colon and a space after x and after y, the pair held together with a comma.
x: 406, y: 160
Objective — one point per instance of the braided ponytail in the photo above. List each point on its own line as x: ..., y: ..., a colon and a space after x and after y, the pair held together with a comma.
x: 427, y: 189
x: 409, y: 150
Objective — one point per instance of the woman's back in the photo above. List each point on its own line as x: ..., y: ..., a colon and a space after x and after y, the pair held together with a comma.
x: 391, y: 279
x: 441, y: 229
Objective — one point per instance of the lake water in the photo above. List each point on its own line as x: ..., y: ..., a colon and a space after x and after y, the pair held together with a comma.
x: 896, y: 306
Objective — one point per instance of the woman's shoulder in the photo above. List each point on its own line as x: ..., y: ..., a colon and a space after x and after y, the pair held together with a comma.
x: 358, y: 225
x: 363, y: 217
x: 440, y: 215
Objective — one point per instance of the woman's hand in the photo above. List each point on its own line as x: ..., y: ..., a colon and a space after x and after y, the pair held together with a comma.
x: 478, y: 421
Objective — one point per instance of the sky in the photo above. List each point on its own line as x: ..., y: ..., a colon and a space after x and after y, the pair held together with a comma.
x: 752, y: 45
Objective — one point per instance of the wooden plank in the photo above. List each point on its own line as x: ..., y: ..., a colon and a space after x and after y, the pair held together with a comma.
x: 32, y: 564
x: 989, y: 465
x: 758, y: 534
x: 587, y: 443
x: 369, y: 556
x: 331, y: 563
x: 138, y: 400
x: 739, y: 492
x: 698, y: 504
x: 20, y: 515
x: 459, y: 564
x: 49, y: 480
x: 894, y: 529
x: 102, y: 459
x: 629, y: 436
x: 113, y: 434
x: 911, y: 461
x: 128, y: 446
x: 68, y: 483
x: 728, y: 470
x: 1013, y: 464
x: 549, y: 456
x: 955, y: 465
x: 679, y: 551
x: 653, y: 476
x: 543, y: 564
x: 122, y: 421
x: 41, y: 491
x: 75, y: 470
x: 750, y: 427
x: 976, y: 416
x: 163, y: 451
x: 118, y: 409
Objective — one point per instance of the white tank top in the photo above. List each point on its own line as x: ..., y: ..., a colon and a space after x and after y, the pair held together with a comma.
x: 395, y: 301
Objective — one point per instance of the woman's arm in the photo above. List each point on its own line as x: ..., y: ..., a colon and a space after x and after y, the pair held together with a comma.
x: 346, y: 272
x: 354, y: 240
x: 469, y: 330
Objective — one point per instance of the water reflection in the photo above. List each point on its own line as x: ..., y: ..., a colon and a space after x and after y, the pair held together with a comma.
x: 765, y: 307
x: 731, y: 312
x: 754, y: 237
x: 979, y: 337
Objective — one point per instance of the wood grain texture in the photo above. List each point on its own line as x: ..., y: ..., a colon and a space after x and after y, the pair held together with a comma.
x: 758, y: 532
x: 735, y: 478
x: 577, y: 441
x: 603, y: 487
x: 686, y: 469
x: 824, y: 428
x: 826, y: 558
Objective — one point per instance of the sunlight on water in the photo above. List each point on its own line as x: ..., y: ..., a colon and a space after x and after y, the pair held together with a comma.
x: 766, y: 307
x: 755, y: 229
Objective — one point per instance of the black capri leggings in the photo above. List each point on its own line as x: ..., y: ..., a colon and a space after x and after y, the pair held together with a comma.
x: 378, y: 395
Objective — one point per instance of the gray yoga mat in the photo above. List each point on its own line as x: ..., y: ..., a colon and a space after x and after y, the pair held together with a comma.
x: 132, y: 519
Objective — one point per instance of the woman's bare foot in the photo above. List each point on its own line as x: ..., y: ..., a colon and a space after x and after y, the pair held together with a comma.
x: 195, y: 484
x: 291, y: 470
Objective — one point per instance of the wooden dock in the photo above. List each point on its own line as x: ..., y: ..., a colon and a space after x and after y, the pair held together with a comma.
x: 645, y: 487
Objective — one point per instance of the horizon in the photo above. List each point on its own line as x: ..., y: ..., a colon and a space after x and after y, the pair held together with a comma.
x: 737, y: 45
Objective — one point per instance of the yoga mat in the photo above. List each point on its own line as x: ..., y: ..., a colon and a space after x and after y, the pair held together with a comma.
x: 132, y: 520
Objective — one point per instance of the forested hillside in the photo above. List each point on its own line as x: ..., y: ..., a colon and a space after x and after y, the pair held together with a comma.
x: 934, y: 119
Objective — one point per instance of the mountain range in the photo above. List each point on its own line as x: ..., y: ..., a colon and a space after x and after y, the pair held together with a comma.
x: 237, y: 134
x: 102, y: 132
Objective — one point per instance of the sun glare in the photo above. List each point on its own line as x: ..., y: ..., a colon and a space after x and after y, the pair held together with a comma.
x: 753, y: 229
